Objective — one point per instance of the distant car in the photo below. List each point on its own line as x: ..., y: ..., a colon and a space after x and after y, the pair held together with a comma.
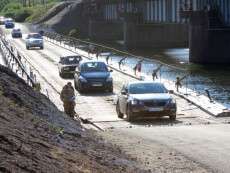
x: 144, y: 99
x: 9, y: 23
x: 93, y: 75
x: 16, y: 33
x: 68, y: 64
x: 34, y: 40
x: 2, y: 20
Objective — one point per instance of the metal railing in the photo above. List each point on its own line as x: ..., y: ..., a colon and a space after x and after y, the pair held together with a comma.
x: 13, y: 60
x: 151, y: 68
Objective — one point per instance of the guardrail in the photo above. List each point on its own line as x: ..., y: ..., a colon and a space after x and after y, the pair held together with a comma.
x: 13, y: 60
x: 195, y: 88
x: 153, y: 68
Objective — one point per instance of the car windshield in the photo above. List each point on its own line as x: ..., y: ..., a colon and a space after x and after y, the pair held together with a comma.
x: 146, y: 88
x: 94, y: 67
x: 35, y: 36
x: 70, y: 60
x: 9, y: 20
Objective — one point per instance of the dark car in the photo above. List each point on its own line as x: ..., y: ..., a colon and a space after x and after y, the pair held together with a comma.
x: 68, y: 64
x: 144, y: 99
x: 9, y: 23
x: 16, y: 33
x: 93, y: 75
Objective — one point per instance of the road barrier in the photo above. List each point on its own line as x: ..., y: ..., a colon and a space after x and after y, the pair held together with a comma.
x: 149, y: 66
x: 14, y: 61
x: 194, y: 87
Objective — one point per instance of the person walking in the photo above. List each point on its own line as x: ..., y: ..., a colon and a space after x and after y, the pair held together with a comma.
x: 137, y: 68
x: 107, y: 59
x: 178, y: 83
x: 121, y: 62
x: 68, y: 98
x: 154, y: 75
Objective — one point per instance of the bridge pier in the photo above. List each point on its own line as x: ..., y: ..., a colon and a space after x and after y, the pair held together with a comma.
x: 208, y: 44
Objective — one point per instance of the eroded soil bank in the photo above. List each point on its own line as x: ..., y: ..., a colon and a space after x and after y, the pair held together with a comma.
x: 36, y: 137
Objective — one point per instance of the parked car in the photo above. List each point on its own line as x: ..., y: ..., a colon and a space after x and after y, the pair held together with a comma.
x: 93, y: 75
x: 2, y: 20
x: 144, y: 99
x: 68, y: 64
x: 9, y: 23
x: 16, y: 33
x: 34, y: 40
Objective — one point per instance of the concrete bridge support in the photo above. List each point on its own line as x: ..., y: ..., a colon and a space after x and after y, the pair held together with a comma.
x: 208, y: 45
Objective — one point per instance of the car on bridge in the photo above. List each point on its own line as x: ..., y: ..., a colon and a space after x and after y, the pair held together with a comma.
x: 145, y: 99
x: 93, y: 75
x: 68, y: 64
x: 34, y: 40
x: 16, y: 33
x: 9, y: 23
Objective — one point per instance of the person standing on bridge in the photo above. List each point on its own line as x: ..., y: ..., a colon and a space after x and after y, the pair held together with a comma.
x: 68, y: 99
x: 107, y: 59
x: 178, y: 83
x: 121, y: 62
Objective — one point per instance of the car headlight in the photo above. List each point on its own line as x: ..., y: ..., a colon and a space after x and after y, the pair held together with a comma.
x: 82, y: 79
x: 171, y: 103
x: 137, y: 102
x: 65, y: 68
x: 134, y: 102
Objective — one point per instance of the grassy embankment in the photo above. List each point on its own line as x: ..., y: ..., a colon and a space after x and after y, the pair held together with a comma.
x: 22, y: 13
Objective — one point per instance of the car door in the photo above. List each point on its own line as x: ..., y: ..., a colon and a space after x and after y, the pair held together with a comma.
x: 123, y: 97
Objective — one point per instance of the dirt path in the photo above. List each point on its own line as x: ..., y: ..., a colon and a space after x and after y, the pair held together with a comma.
x: 153, y: 155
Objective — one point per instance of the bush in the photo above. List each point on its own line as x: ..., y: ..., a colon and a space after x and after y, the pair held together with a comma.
x: 38, y: 12
x: 21, y: 15
x: 10, y: 9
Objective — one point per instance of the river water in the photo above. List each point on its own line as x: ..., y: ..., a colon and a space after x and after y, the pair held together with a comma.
x: 214, y: 78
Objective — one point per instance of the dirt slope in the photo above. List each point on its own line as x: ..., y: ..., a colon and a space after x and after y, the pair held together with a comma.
x: 36, y: 137
x: 54, y: 11
x: 63, y: 18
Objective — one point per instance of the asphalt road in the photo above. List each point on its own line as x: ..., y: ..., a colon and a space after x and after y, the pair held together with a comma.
x: 195, y: 134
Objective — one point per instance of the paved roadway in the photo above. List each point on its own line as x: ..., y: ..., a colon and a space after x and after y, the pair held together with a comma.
x: 195, y: 133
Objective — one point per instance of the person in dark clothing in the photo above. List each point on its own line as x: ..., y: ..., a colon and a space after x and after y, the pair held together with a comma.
x: 68, y: 99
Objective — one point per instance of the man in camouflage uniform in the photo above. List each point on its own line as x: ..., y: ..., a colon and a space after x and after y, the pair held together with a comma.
x: 68, y: 98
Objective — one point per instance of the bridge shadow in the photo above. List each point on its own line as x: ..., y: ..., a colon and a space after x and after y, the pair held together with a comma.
x: 97, y: 93
x: 155, y: 121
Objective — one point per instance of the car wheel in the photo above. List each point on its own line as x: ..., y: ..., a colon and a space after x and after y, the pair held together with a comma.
x: 129, y: 115
x: 111, y: 90
x: 172, y: 117
x: 119, y: 114
x: 27, y: 47
x: 41, y: 47
x: 80, y: 89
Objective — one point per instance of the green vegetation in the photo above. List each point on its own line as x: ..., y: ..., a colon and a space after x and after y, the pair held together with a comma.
x: 22, y: 10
